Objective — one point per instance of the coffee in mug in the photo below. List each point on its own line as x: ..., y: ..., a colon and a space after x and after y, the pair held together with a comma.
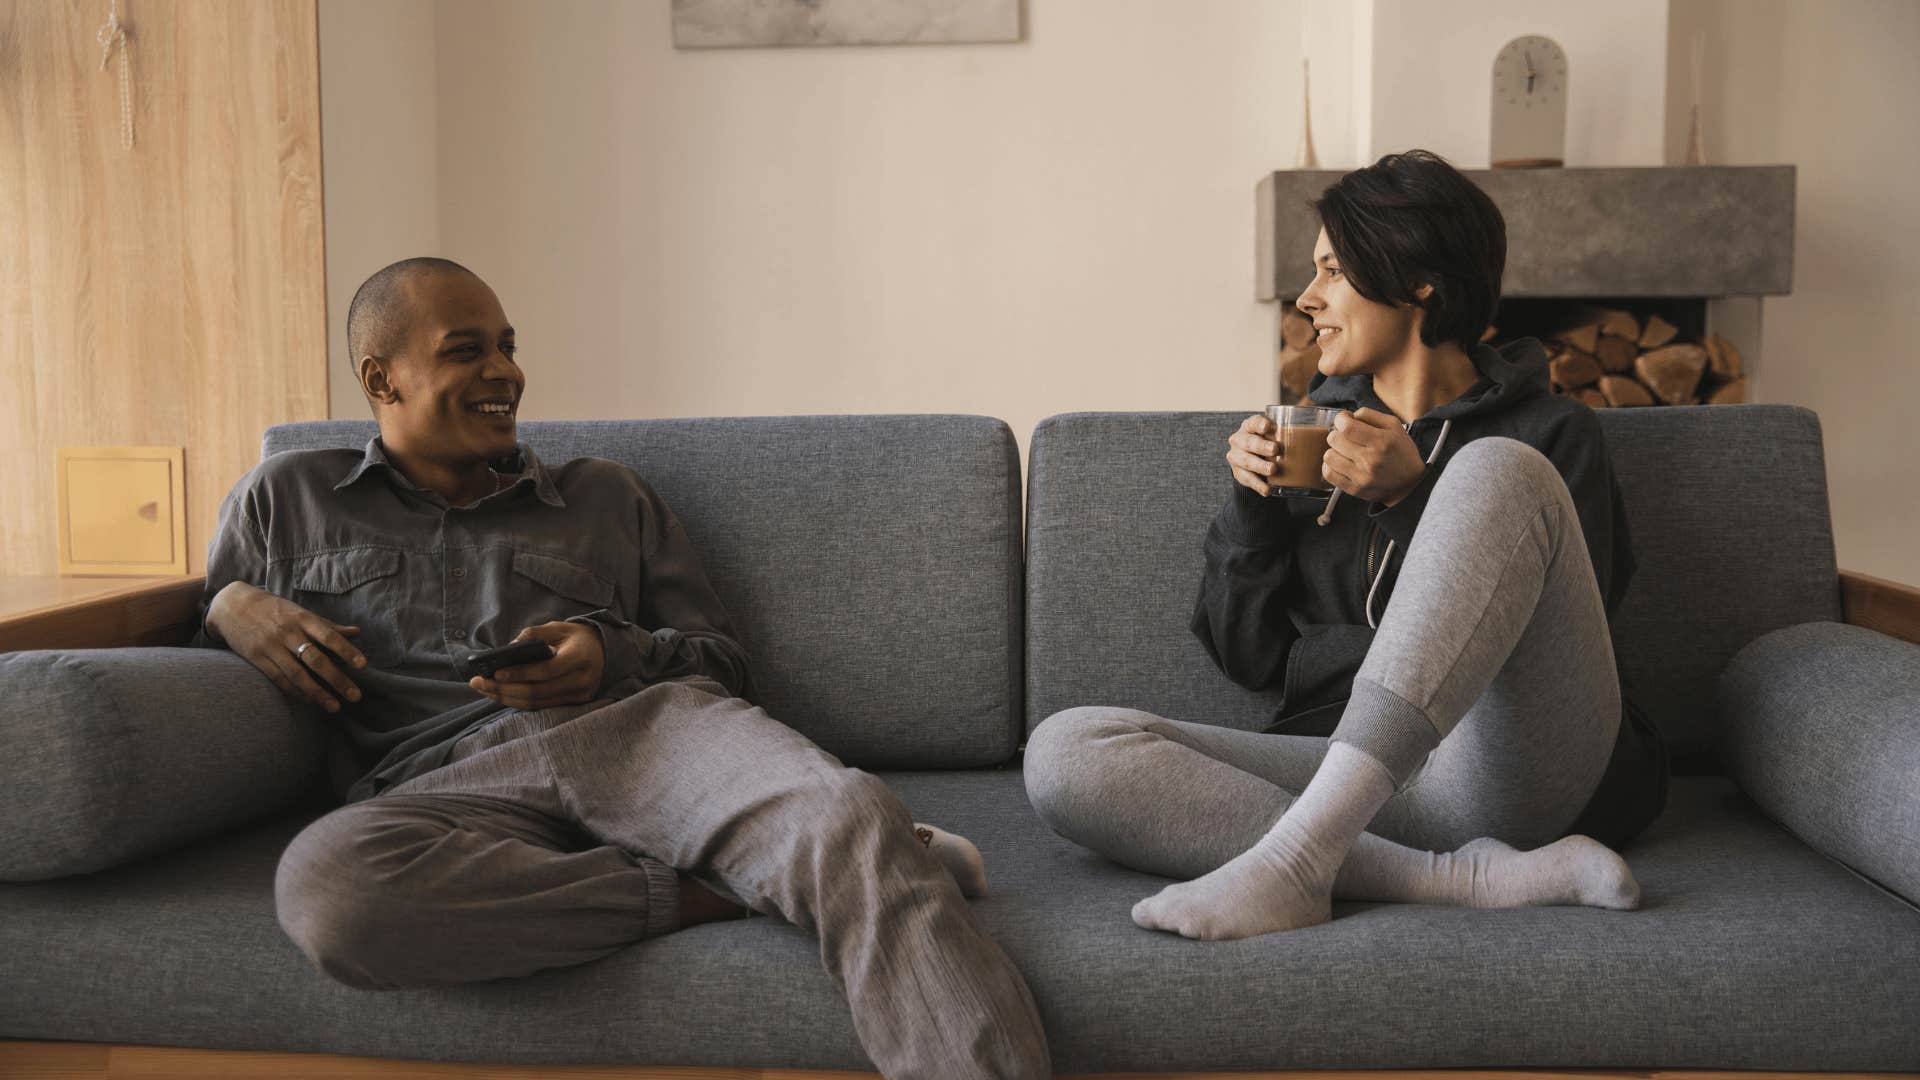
x: 1300, y: 440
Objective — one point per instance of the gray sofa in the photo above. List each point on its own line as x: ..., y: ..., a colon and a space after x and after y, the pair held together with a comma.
x: 898, y: 614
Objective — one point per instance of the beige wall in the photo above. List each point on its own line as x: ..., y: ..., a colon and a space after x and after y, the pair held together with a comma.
x: 378, y: 79
x: 170, y: 295
x: 1831, y: 88
x: 1432, y: 68
x: 1062, y: 224
x: 1015, y: 230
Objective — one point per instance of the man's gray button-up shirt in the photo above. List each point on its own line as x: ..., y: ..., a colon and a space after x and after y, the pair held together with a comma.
x: 345, y: 535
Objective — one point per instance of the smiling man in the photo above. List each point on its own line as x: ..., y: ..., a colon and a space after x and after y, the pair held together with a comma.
x: 561, y: 810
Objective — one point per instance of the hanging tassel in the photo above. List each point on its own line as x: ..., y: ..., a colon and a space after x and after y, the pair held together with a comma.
x: 112, y: 36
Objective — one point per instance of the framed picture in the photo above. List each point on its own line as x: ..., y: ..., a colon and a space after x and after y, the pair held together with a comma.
x: 721, y: 24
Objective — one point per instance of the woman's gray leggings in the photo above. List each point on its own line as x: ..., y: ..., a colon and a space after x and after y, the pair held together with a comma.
x: 1489, y: 692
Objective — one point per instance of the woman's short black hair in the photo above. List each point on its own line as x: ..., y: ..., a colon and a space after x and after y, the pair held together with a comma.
x: 1409, y: 220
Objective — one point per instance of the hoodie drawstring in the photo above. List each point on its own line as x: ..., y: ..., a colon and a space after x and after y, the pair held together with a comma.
x: 1437, y: 444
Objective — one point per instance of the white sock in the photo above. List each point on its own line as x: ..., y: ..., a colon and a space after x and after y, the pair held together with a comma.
x: 958, y: 855
x: 1285, y: 880
x: 1488, y: 873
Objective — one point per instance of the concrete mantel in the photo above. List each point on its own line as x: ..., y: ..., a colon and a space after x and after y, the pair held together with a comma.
x: 1692, y: 231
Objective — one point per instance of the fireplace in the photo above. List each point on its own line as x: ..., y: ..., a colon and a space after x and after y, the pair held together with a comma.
x: 1644, y: 283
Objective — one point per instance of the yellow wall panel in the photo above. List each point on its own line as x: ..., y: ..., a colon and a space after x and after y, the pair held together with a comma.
x: 119, y: 510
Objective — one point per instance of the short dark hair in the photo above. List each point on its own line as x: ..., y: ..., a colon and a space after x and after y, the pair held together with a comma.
x: 1412, y: 219
x: 376, y: 319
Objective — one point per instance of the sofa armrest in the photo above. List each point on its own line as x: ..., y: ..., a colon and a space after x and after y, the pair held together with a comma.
x: 163, y: 613
x: 1820, y: 725
x: 1879, y: 604
x: 109, y: 754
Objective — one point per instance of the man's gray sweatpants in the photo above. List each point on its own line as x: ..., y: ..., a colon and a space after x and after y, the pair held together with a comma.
x: 1489, y: 693
x: 552, y: 838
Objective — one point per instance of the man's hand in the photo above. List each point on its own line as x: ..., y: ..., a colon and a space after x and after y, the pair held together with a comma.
x: 570, y: 676
x: 1371, y: 456
x: 269, y: 633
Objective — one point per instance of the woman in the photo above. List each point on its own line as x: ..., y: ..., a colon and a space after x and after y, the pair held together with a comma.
x: 1445, y: 619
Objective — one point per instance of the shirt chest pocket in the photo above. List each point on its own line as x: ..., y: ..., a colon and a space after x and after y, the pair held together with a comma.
x: 354, y: 588
x: 548, y: 588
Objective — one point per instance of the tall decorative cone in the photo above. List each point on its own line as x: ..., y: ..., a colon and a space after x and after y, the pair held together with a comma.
x: 1696, y: 142
x: 1306, y: 159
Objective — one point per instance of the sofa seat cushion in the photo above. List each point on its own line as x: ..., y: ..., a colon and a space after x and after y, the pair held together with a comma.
x: 1751, y: 951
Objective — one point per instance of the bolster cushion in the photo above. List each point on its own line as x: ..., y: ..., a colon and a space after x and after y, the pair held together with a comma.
x: 1820, y: 724
x: 109, y: 754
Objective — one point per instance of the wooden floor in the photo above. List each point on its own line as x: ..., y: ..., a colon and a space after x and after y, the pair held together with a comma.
x: 61, y: 1061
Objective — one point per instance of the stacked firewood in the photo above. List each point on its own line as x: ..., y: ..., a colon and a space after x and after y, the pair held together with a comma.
x: 1611, y: 360
x: 1615, y: 361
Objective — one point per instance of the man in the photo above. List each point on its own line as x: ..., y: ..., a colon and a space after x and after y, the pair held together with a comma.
x: 562, y: 809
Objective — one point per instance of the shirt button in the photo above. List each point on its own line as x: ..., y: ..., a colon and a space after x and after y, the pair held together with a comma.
x: 459, y: 571
x: 459, y: 635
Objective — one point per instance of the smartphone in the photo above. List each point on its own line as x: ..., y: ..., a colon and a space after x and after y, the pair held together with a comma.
x: 487, y: 661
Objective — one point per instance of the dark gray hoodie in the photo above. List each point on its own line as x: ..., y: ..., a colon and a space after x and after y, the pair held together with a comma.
x: 1284, y: 602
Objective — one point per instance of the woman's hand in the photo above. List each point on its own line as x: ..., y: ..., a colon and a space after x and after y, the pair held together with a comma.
x: 1371, y: 456
x: 269, y: 632
x: 1253, y: 454
x: 571, y: 676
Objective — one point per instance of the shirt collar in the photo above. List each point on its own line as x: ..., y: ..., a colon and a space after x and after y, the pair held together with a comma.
x: 532, y: 471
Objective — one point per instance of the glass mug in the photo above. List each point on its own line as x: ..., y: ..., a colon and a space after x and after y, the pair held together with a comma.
x: 1300, y: 440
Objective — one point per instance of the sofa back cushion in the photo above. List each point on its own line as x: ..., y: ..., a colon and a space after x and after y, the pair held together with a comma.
x: 1726, y: 506
x: 1733, y: 539
x: 1117, y: 507
x: 870, y: 564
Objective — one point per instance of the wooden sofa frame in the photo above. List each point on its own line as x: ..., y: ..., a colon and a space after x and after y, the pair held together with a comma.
x: 166, y: 614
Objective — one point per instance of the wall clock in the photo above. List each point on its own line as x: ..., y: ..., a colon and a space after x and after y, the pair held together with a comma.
x: 1529, y: 104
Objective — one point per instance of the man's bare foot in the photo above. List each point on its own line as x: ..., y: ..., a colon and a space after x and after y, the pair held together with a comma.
x: 699, y: 904
x: 958, y: 855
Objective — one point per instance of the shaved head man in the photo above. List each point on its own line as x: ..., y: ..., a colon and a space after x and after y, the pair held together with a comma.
x: 501, y: 822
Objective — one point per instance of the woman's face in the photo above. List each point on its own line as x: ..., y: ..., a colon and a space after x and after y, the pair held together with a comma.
x: 1356, y: 335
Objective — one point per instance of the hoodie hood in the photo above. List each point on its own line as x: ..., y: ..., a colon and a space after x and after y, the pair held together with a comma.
x: 1513, y: 373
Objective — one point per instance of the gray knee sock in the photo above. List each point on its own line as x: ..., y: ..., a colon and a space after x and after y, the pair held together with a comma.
x: 1489, y: 874
x: 1285, y: 880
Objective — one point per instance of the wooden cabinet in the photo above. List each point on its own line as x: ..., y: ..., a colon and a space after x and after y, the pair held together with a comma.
x: 172, y: 294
